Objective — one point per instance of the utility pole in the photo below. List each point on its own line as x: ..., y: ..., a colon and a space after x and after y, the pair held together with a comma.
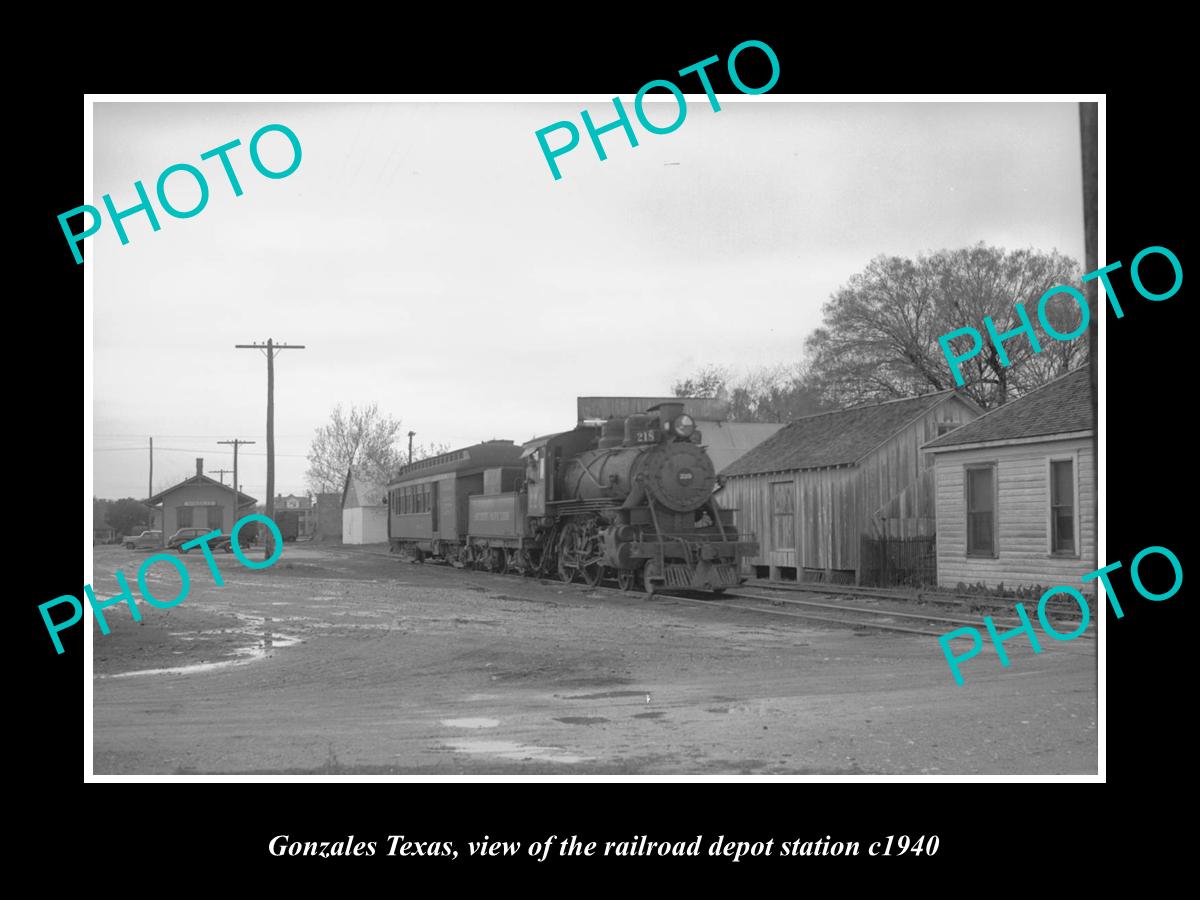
x: 150, y: 482
x: 411, y: 434
x: 237, y: 442
x: 270, y: 348
x: 1088, y: 140
x: 222, y: 473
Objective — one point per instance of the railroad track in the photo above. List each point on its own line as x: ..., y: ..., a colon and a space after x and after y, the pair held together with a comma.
x: 905, y: 621
x: 1064, y: 609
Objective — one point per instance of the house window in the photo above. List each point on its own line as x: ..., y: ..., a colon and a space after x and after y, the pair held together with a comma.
x: 981, y: 510
x: 1062, y: 507
x: 216, y: 517
x: 183, y: 517
x: 783, y: 515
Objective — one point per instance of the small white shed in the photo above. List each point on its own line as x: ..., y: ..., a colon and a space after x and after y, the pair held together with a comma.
x: 364, y: 513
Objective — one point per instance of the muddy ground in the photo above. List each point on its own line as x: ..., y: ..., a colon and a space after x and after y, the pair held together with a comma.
x: 342, y: 661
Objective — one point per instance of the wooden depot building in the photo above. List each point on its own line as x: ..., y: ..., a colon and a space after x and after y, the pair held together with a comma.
x: 200, y: 502
x: 818, y: 491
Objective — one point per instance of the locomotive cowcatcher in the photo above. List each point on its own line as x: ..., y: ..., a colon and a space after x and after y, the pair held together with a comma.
x: 627, y: 498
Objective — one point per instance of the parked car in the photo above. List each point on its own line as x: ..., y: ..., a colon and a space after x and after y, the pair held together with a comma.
x: 184, y: 535
x: 143, y: 540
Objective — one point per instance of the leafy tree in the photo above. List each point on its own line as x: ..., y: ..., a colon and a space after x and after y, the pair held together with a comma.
x: 361, y: 441
x: 126, y: 516
x: 879, y: 338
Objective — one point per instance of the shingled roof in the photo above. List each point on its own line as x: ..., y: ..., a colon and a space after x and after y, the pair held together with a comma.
x: 834, y: 438
x: 1061, y: 406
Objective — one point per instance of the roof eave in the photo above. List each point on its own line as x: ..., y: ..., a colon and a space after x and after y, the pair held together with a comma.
x: 1010, y: 442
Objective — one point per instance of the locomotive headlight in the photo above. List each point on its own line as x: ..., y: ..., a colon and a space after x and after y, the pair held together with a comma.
x: 683, y: 425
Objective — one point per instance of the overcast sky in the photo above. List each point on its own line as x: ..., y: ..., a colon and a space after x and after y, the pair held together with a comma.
x: 429, y: 261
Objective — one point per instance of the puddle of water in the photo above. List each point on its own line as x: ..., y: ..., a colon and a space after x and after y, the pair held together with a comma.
x: 474, y: 698
x: 651, y: 715
x: 582, y: 720
x: 265, y: 643
x: 515, y: 751
x: 605, y: 696
x: 471, y: 723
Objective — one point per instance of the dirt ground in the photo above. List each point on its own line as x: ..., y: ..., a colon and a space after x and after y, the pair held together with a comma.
x: 340, y: 661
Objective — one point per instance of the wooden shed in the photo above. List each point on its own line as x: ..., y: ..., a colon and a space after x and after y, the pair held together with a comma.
x: 1016, y: 491
x: 816, y: 489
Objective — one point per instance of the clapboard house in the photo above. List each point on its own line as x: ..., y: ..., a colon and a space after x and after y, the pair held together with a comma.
x: 828, y: 488
x: 1016, y: 490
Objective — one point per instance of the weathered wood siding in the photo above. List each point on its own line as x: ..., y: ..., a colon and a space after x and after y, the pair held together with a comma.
x: 897, y: 492
x: 747, y: 497
x: 892, y: 491
x: 824, y: 515
x: 1023, y: 554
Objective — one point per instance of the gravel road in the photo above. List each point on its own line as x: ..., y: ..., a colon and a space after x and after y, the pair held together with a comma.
x: 345, y: 662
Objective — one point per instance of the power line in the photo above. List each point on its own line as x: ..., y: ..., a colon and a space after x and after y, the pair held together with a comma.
x: 190, y: 450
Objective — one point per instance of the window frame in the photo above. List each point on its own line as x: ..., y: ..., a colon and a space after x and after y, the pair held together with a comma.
x: 994, y: 467
x: 775, y: 516
x: 1073, y: 458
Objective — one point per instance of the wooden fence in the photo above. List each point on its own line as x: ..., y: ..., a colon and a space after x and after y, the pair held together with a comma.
x: 898, y: 562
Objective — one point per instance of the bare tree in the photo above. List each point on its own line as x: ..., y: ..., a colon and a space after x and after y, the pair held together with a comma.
x: 425, y: 451
x: 774, y: 393
x: 879, y: 339
x: 361, y: 442
x: 709, y: 381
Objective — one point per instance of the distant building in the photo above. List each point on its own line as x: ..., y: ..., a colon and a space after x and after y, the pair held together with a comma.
x: 1016, y: 490
x: 199, y: 502
x: 814, y: 491
x: 327, y: 525
x: 364, y: 513
x: 304, y: 510
x: 622, y: 407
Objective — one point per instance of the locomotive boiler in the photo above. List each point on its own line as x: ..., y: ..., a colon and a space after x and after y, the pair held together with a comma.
x: 630, y: 498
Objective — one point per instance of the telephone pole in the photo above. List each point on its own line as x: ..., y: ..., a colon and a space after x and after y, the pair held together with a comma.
x: 237, y: 442
x: 150, y: 482
x: 411, y: 434
x: 270, y: 348
x: 223, y: 472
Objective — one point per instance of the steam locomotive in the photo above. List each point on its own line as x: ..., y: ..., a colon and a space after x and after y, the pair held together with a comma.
x: 628, y: 498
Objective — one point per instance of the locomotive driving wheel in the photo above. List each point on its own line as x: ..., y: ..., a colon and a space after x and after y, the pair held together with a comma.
x: 579, y: 554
